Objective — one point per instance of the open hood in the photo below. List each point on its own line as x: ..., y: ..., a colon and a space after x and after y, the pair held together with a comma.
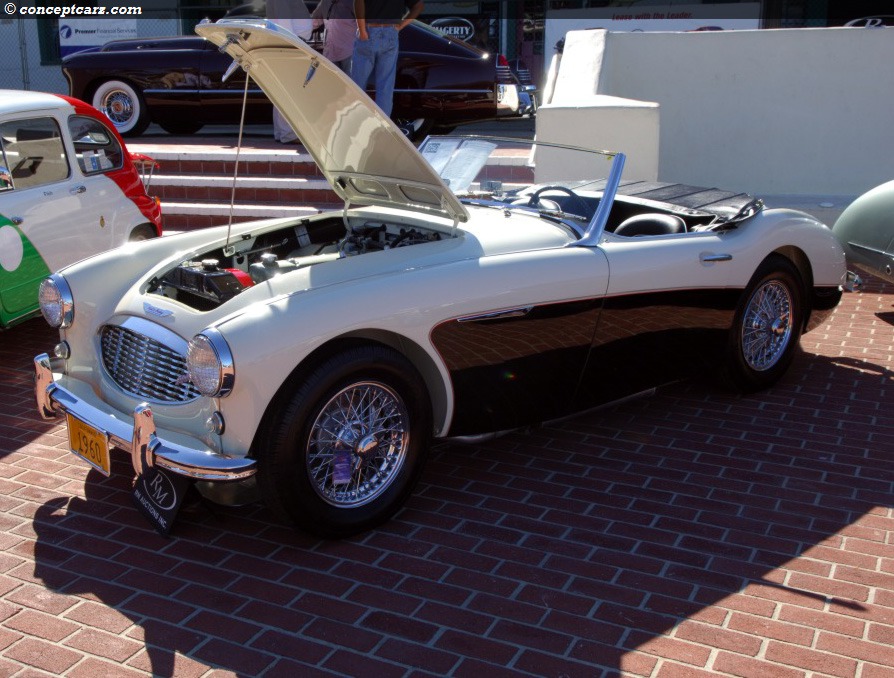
x: 362, y: 154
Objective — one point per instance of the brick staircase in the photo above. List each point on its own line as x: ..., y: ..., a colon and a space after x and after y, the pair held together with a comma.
x: 194, y: 179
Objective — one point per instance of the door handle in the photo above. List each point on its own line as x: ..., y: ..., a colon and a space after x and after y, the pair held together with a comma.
x: 75, y: 190
x: 710, y: 258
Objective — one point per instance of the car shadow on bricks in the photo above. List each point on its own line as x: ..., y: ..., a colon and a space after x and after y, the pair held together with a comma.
x: 692, y: 529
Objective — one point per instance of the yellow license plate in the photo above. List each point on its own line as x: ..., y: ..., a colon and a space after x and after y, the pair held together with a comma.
x: 89, y: 444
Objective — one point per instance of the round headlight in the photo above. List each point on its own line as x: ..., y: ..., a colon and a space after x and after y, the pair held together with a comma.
x: 56, y: 302
x: 210, y: 364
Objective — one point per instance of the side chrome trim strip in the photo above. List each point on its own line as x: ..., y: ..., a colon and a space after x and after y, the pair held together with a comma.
x: 497, y: 315
x: 231, y: 92
x: 215, y: 92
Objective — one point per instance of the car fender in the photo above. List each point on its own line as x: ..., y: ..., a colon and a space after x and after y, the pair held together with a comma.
x: 866, y: 230
x: 786, y: 231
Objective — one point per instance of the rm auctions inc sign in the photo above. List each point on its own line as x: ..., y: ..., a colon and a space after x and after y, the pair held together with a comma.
x: 78, y: 34
x: 455, y: 27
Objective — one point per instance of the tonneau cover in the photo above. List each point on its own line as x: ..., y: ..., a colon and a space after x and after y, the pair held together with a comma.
x: 690, y: 199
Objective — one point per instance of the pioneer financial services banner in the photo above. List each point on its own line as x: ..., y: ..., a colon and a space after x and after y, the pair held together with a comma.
x: 79, y: 34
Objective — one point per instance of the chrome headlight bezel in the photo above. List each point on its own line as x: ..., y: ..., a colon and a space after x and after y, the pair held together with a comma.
x: 209, y: 362
x: 56, y: 301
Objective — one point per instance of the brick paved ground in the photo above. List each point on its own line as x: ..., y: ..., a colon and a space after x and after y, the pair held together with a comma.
x: 694, y: 533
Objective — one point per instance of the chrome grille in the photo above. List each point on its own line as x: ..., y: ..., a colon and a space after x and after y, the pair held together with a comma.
x: 144, y: 367
x: 521, y: 72
x: 505, y: 75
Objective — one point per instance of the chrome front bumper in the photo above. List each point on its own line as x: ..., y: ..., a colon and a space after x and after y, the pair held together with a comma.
x: 146, y: 448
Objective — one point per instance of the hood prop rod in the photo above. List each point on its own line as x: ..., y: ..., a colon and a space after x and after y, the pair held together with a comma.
x: 229, y: 250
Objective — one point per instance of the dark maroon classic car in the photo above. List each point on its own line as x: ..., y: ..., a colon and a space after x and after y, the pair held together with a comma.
x: 179, y: 84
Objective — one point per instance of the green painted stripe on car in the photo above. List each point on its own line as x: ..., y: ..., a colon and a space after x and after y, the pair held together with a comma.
x: 21, y: 270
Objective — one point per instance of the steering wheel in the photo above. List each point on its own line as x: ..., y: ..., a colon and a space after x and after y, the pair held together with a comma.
x: 534, y: 200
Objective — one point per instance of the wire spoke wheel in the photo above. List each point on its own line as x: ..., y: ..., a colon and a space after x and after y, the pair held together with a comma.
x: 123, y: 105
x: 347, y: 442
x: 119, y: 107
x: 767, y: 326
x: 358, y: 444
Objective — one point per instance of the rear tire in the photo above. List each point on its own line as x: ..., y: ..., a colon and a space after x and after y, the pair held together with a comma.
x: 345, y: 451
x: 767, y: 326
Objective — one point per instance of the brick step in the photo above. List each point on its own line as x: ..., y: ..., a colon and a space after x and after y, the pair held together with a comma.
x: 262, y: 162
x: 186, y: 159
x: 195, y: 182
x: 189, y: 216
x: 253, y: 189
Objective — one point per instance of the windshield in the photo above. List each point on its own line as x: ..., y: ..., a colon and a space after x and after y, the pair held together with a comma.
x: 567, y: 182
x: 473, y: 164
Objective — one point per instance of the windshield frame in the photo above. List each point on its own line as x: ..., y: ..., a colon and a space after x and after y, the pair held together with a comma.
x: 596, y: 226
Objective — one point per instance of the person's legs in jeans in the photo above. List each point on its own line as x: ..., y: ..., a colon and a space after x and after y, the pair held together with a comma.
x: 345, y: 65
x: 385, y: 67
x: 362, y: 62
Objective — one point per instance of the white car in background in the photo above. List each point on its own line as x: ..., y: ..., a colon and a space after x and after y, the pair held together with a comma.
x: 68, y: 189
x: 311, y: 362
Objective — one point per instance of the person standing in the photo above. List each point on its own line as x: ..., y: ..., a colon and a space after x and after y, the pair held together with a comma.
x: 293, y: 16
x: 337, y: 17
x: 376, y: 46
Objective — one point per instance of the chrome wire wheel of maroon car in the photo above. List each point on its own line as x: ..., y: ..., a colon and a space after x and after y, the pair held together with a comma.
x: 348, y: 446
x: 123, y: 105
x: 767, y: 326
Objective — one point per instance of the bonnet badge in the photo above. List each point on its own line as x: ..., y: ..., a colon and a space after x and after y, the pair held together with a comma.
x: 155, y: 311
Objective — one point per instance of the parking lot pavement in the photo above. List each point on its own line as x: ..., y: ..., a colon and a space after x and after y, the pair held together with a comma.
x: 692, y: 533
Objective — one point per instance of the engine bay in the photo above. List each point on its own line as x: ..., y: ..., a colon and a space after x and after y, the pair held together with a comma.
x: 209, y: 279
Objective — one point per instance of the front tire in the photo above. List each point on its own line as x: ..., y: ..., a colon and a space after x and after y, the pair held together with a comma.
x: 345, y: 451
x: 767, y: 326
x: 123, y: 105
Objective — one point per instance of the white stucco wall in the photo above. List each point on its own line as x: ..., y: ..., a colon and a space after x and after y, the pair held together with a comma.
x: 792, y: 111
x: 574, y: 113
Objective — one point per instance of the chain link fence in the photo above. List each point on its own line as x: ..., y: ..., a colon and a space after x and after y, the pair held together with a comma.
x: 29, y: 51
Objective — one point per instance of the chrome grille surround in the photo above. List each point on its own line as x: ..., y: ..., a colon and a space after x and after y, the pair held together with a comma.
x: 147, y: 361
x: 505, y: 76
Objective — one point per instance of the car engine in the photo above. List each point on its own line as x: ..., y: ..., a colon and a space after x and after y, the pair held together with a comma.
x: 221, y: 274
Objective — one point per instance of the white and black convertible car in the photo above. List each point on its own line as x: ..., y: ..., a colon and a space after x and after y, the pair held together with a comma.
x: 312, y: 361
